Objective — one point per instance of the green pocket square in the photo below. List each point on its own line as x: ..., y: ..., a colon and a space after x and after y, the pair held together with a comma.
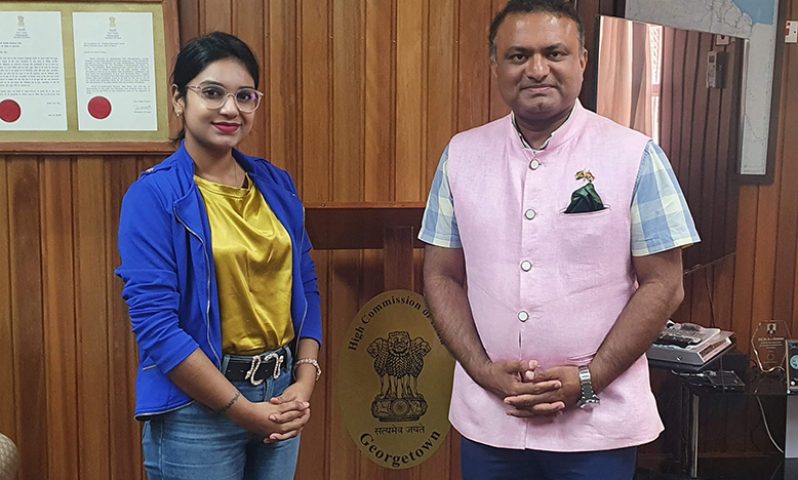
x: 585, y: 199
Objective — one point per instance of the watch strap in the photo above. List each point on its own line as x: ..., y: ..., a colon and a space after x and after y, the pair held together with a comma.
x: 588, y: 397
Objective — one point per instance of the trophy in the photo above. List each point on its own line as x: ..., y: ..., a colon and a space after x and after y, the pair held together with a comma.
x: 768, y: 344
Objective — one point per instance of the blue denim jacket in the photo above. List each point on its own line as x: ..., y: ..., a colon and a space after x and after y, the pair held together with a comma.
x: 170, y: 280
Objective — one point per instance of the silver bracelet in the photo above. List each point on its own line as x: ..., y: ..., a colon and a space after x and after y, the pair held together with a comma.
x: 309, y: 361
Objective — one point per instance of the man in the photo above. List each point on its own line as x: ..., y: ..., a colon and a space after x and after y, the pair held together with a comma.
x: 553, y: 262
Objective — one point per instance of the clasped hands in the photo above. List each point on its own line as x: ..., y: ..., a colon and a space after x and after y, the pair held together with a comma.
x: 282, y: 417
x: 530, y: 391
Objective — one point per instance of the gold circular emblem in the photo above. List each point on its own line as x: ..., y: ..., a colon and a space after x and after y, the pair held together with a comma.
x: 395, y: 381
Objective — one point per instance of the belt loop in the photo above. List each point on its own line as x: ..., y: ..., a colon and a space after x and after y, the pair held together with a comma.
x: 225, y: 364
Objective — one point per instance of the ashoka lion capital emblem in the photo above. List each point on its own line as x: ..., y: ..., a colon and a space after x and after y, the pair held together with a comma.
x: 398, y: 362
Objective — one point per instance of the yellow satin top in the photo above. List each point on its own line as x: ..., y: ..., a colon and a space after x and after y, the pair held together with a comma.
x: 252, y: 255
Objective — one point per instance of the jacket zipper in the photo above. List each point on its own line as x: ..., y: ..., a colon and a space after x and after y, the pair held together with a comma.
x: 301, y: 246
x: 305, y: 313
x: 208, y: 271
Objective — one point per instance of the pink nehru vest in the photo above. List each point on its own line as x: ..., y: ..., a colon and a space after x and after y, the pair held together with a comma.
x: 544, y: 284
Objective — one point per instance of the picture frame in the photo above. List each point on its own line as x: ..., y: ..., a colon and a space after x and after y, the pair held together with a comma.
x: 105, y: 92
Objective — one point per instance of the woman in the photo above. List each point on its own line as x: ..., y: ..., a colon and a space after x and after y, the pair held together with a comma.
x: 220, y: 285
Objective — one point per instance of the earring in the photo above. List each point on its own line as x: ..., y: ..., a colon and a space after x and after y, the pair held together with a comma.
x: 179, y: 113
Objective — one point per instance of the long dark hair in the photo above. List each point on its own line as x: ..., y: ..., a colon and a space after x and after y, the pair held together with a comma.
x: 200, y: 52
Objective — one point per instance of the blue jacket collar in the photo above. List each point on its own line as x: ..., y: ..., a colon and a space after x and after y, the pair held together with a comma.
x: 183, y: 163
x: 191, y: 209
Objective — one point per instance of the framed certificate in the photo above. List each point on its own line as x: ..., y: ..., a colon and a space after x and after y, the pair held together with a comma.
x: 86, y: 77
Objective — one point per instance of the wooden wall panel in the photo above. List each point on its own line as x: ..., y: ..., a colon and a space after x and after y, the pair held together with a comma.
x: 125, y: 452
x: 442, y: 78
x: 251, y: 24
x: 411, y: 81
x: 765, y: 258
x: 91, y: 277
x: 316, y: 99
x: 315, y: 88
x: 59, y: 315
x: 343, y: 456
x: 25, y: 297
x: 216, y: 15
x: 473, y: 93
x: 348, y: 115
x: 281, y: 78
x: 589, y: 12
x: 361, y: 98
x: 387, y: 137
x: 698, y: 134
x: 190, y: 22
x: 8, y: 405
x: 724, y: 224
x: 785, y: 273
x: 697, y: 183
x: 744, y: 262
x: 496, y: 106
x: 381, y: 129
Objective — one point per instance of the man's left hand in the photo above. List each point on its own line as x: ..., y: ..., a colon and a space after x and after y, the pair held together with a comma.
x: 543, y: 404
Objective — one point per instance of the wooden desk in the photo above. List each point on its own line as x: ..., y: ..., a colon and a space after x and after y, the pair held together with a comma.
x: 391, y: 226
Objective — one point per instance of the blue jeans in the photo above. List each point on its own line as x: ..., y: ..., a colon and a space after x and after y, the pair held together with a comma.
x: 483, y: 462
x: 194, y: 442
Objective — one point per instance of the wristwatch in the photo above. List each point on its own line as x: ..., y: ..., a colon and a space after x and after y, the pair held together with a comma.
x: 589, y: 399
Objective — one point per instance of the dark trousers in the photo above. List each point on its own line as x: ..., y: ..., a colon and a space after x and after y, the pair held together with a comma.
x: 483, y: 462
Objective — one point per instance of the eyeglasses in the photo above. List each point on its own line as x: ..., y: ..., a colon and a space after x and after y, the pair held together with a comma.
x: 214, y: 96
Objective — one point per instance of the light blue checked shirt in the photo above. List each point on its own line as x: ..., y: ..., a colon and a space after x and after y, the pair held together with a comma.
x: 660, y: 217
